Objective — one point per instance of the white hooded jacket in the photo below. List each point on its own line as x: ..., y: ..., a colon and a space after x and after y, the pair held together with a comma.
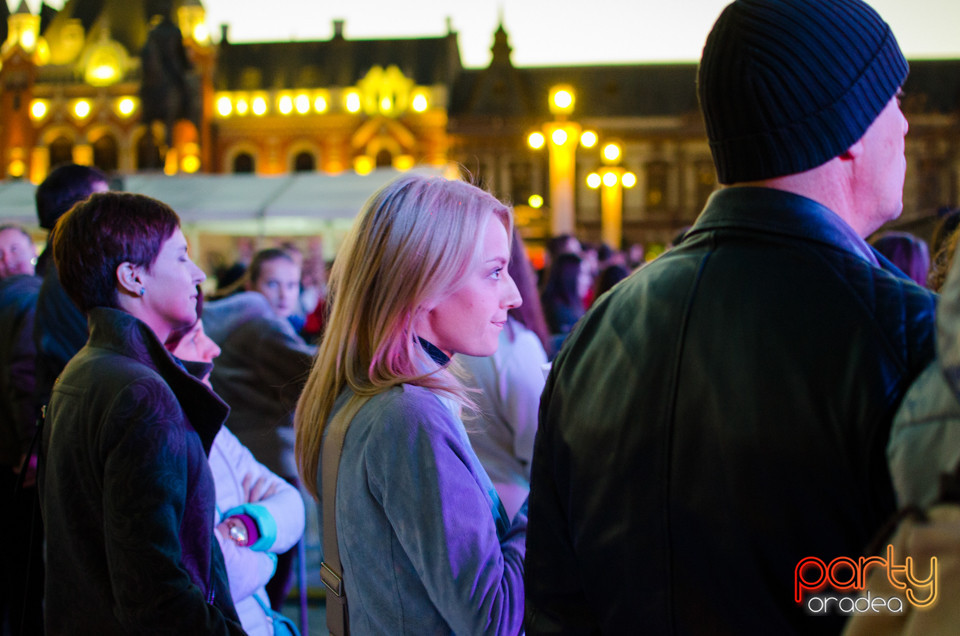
x: 280, y: 520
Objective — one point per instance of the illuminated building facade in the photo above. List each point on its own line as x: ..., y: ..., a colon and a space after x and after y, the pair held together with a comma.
x: 106, y: 82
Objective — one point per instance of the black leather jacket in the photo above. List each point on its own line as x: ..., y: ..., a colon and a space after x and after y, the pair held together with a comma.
x: 127, y: 495
x: 718, y: 417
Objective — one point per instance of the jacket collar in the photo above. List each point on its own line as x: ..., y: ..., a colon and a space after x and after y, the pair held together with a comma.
x: 779, y: 212
x: 123, y: 334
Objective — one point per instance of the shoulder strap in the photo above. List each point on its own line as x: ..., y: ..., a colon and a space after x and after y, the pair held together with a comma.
x: 331, y: 572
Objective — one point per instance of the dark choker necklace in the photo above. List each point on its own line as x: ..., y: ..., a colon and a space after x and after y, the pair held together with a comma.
x: 434, y: 352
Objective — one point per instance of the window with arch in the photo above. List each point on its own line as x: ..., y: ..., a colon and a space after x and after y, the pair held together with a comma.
x: 61, y: 151
x: 148, y: 153
x: 384, y: 159
x: 304, y: 162
x: 243, y: 163
x: 105, y: 153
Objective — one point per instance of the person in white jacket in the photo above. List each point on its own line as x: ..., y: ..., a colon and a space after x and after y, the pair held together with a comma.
x: 258, y: 514
x: 245, y: 487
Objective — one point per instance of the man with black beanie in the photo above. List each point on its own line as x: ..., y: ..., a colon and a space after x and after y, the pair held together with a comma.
x: 723, y: 414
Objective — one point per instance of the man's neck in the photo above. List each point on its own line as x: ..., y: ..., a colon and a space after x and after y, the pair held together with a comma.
x: 826, y: 184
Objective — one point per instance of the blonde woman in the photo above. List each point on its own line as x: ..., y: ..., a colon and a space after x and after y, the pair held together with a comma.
x: 425, y: 543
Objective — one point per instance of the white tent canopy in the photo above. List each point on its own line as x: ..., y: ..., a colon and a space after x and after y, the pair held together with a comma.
x: 288, y: 205
x: 17, y: 203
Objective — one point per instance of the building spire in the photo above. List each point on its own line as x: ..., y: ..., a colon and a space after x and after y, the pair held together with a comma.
x: 501, y: 44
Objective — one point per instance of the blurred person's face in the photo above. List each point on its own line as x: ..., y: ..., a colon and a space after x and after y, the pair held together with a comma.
x: 591, y: 261
x: 279, y: 281
x: 470, y: 319
x: 170, y: 287
x: 197, y: 346
x: 17, y: 253
x: 584, y: 280
x: 571, y: 246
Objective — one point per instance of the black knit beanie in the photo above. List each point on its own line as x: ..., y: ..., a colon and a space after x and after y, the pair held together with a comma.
x: 787, y: 85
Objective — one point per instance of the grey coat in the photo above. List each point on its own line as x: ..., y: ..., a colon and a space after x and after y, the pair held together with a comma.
x: 260, y: 373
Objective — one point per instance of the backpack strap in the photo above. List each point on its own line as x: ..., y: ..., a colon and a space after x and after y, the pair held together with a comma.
x: 331, y: 571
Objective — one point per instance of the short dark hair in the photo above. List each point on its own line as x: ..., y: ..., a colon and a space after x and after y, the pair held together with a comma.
x: 62, y: 188
x: 98, y: 234
x: 266, y: 256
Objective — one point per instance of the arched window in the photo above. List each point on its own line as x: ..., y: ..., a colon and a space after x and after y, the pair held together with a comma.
x: 304, y: 162
x: 384, y: 159
x: 148, y: 154
x: 243, y: 163
x: 61, y: 151
x: 105, y: 153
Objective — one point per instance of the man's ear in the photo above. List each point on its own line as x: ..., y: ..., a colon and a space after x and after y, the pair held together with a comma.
x: 128, y: 278
x: 853, y: 152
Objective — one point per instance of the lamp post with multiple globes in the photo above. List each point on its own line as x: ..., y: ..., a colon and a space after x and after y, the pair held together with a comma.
x: 612, y: 178
x: 561, y: 136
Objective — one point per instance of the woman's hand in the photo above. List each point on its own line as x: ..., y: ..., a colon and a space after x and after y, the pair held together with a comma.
x: 255, y: 490
x: 235, y: 530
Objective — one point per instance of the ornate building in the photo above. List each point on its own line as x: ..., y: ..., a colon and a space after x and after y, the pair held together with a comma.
x: 139, y: 86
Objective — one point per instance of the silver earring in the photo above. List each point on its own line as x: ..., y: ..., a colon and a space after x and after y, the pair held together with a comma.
x: 142, y: 291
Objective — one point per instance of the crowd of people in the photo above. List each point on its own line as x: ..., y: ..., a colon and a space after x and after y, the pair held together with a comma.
x: 602, y: 445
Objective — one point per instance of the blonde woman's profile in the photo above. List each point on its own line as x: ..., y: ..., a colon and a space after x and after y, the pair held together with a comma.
x: 424, y: 540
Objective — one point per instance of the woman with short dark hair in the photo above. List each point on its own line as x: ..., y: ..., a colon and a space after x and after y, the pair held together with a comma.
x: 126, y: 493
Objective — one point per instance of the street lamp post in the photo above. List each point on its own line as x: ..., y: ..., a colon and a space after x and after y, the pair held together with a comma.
x: 562, y: 137
x: 562, y: 142
x: 612, y: 178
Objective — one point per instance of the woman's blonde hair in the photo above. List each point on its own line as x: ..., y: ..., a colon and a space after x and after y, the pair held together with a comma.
x: 411, y: 246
